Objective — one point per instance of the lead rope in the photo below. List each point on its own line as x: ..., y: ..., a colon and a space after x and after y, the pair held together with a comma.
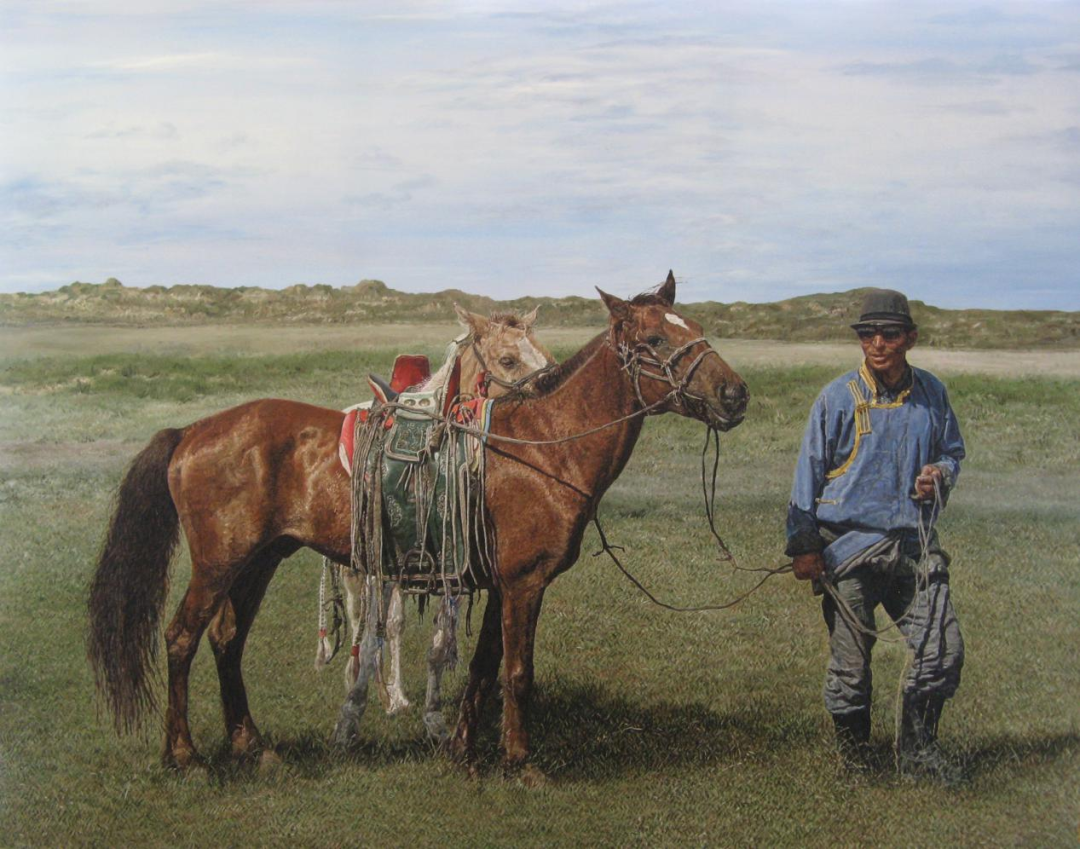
x: 928, y: 515
x: 709, y: 496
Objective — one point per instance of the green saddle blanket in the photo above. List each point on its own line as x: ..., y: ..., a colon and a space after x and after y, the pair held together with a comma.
x: 431, y: 494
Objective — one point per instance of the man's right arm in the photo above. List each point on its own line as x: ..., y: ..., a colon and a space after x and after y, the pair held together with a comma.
x: 804, y: 543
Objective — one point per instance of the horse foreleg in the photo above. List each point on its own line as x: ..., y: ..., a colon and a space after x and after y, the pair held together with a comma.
x: 202, y: 599
x: 395, y: 629
x: 352, y: 711
x: 483, y: 675
x: 442, y: 653
x: 520, y: 612
x: 228, y: 634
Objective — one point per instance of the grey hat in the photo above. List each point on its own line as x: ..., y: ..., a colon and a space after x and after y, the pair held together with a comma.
x: 884, y: 307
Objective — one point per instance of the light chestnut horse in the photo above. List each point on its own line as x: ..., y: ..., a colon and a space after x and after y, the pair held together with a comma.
x: 509, y: 347
x: 248, y: 486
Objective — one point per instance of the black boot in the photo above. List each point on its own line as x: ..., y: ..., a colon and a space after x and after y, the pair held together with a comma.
x: 917, y: 751
x: 853, y: 739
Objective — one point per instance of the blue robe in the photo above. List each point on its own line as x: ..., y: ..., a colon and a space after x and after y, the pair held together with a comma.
x: 862, y: 450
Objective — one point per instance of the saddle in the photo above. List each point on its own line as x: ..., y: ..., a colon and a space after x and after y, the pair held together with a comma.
x: 422, y: 478
x: 409, y: 370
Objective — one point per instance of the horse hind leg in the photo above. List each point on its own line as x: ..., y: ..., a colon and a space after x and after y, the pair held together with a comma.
x: 347, y: 729
x: 441, y: 655
x: 356, y: 590
x: 205, y: 594
x: 395, y: 629
x: 228, y: 634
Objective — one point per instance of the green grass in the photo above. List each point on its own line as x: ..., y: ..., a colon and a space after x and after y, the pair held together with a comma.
x: 655, y: 728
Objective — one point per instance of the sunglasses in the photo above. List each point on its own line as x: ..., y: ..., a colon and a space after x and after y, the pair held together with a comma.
x: 889, y: 334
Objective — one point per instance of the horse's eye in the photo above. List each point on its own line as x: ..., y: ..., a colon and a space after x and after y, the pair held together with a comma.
x: 655, y: 341
x: 507, y: 362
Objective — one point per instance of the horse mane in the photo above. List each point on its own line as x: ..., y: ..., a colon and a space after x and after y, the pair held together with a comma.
x: 507, y: 318
x: 549, y: 381
x: 648, y: 299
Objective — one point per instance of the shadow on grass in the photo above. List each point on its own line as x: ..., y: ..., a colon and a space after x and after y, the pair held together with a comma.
x: 586, y: 733
x: 992, y: 758
x: 577, y: 733
x: 983, y: 757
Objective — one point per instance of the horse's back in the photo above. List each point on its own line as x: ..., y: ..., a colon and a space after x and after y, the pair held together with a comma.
x: 256, y: 471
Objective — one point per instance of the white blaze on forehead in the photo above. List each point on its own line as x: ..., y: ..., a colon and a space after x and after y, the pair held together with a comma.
x: 674, y: 319
x: 529, y: 355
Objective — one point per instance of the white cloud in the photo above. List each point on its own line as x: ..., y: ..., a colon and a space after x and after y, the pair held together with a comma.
x: 760, y: 150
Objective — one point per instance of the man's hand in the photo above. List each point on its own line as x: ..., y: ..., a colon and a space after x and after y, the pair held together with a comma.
x: 924, y: 483
x: 808, y: 566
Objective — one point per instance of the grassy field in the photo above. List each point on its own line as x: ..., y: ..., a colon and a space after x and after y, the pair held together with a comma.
x: 655, y: 728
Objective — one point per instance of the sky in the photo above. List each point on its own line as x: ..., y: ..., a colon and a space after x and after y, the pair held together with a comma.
x: 761, y: 150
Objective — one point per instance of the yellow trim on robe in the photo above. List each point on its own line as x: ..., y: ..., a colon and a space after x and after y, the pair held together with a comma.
x: 862, y: 427
x: 871, y: 384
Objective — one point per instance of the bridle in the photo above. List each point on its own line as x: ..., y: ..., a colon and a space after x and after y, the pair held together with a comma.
x: 642, y: 360
x: 487, y: 377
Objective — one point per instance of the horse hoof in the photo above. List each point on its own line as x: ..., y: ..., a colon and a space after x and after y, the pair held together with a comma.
x: 269, y: 762
x: 181, y: 760
x: 532, y: 777
x: 245, y: 744
x: 343, y: 738
x: 397, y: 706
x: 435, y: 726
x: 456, y: 750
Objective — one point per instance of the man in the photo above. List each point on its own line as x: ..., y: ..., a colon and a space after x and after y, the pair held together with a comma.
x: 881, y: 453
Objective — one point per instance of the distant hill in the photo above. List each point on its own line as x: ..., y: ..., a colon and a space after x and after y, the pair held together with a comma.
x: 808, y: 318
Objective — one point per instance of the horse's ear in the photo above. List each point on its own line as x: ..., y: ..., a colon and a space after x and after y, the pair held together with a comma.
x: 530, y: 319
x: 619, y: 309
x: 667, y: 291
x: 476, y: 323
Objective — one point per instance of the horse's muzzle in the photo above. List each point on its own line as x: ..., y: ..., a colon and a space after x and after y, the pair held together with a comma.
x: 730, y: 409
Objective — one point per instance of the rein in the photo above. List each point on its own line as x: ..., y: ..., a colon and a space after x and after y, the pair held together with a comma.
x: 927, y: 519
x: 628, y: 360
x: 708, y: 489
x: 632, y: 361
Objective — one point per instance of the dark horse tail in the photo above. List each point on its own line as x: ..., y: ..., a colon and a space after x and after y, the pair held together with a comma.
x: 129, y: 587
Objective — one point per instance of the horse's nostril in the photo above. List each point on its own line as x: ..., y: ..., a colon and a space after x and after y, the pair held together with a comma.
x: 734, y: 396
x: 733, y: 393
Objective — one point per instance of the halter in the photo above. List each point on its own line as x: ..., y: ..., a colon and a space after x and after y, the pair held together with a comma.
x: 642, y: 354
x: 487, y: 377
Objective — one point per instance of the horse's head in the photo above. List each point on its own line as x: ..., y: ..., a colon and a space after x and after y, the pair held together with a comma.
x: 669, y: 361
x: 502, y: 352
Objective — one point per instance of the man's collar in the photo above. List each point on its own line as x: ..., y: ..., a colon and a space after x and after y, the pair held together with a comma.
x: 876, y: 385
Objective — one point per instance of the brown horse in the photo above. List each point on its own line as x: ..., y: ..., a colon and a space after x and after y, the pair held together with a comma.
x: 249, y: 486
x: 541, y: 497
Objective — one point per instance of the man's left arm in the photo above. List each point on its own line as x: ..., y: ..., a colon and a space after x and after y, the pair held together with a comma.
x: 948, y: 451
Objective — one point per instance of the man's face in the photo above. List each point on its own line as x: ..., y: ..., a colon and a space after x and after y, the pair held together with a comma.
x: 885, y: 348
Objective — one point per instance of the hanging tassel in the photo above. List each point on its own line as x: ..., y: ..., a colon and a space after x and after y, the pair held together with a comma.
x: 329, y: 638
x: 322, y: 653
x: 352, y: 668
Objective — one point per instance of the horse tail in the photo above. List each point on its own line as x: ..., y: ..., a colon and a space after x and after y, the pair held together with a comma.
x: 128, y: 589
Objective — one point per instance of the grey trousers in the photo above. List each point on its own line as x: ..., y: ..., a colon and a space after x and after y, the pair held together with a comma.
x: 924, y: 615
